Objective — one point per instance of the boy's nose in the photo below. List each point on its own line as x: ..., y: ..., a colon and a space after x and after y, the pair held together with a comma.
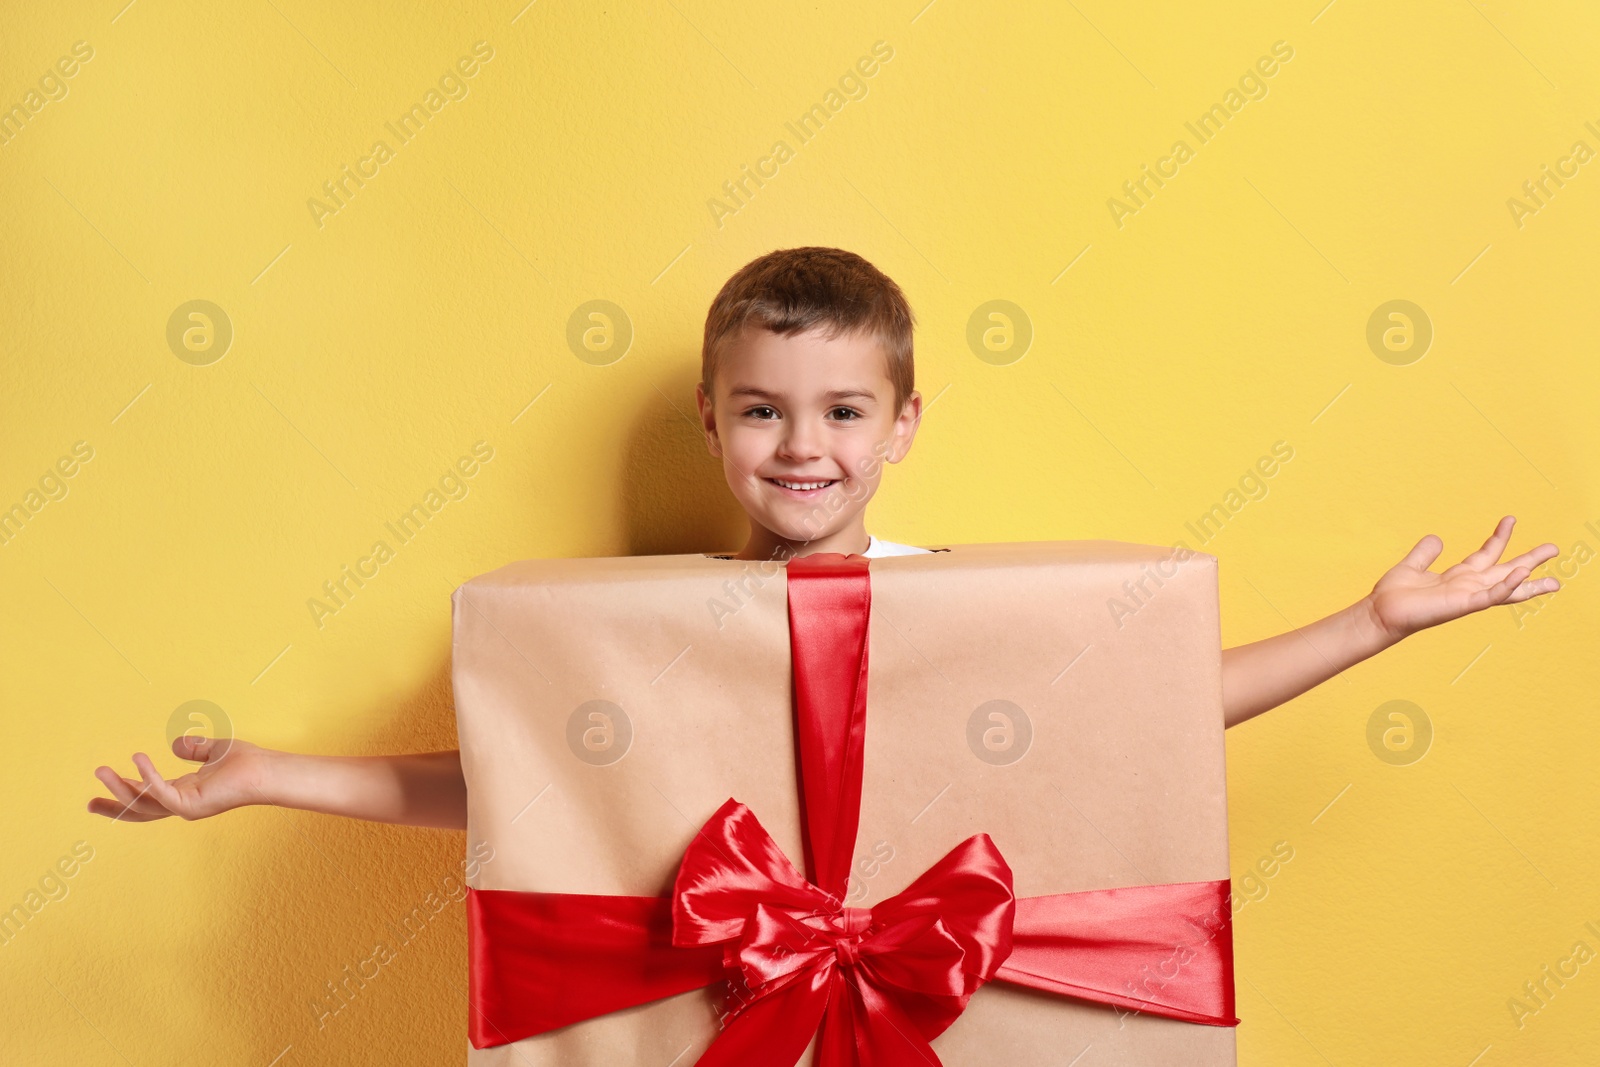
x: 802, y: 442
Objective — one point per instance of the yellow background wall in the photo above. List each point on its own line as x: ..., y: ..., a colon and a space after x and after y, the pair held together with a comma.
x: 374, y: 345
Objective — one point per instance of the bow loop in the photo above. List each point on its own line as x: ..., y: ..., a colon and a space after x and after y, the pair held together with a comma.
x: 918, y: 954
x: 732, y: 865
x: 970, y: 891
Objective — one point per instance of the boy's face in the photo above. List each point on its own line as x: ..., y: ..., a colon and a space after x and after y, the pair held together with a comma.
x: 803, y: 426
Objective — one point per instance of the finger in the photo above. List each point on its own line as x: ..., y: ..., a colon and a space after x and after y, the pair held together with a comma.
x: 118, y: 813
x: 1494, y: 546
x: 1498, y: 592
x: 1530, y: 559
x: 131, y: 800
x: 158, y: 786
x: 200, y: 749
x: 128, y: 793
x: 1528, y: 590
x: 1424, y: 552
x: 1534, y: 556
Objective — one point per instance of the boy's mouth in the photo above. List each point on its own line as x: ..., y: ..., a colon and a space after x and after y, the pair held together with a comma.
x: 803, y: 488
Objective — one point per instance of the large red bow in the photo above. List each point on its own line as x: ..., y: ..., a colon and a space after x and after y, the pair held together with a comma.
x: 886, y: 979
x: 874, y: 984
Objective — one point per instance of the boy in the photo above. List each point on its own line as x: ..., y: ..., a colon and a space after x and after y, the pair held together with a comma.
x: 806, y: 390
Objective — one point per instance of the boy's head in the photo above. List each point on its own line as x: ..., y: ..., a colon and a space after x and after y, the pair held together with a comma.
x: 807, y: 388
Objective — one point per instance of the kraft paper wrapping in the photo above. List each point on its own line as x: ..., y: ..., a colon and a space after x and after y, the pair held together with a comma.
x: 1122, y: 781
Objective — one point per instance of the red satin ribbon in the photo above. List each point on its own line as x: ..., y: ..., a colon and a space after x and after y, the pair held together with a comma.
x: 874, y: 984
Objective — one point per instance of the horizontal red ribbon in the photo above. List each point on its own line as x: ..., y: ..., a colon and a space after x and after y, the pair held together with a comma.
x: 875, y: 984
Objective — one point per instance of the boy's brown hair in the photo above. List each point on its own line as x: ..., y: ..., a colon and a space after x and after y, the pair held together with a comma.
x: 796, y: 289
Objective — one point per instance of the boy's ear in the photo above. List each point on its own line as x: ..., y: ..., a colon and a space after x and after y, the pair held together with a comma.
x: 708, y: 420
x: 905, y: 428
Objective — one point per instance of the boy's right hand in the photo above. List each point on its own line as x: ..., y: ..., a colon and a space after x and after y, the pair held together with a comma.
x: 231, y: 775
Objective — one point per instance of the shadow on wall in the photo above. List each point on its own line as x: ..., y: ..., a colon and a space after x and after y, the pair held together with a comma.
x: 674, y: 496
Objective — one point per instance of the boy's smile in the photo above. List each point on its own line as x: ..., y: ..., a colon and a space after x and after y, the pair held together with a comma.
x: 803, y: 490
x: 803, y: 425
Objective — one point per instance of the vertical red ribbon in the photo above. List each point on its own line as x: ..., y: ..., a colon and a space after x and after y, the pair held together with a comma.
x: 830, y: 602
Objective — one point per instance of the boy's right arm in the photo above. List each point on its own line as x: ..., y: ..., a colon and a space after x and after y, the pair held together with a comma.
x: 421, y: 789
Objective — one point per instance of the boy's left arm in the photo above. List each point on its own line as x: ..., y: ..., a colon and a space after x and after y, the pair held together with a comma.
x: 1409, y: 597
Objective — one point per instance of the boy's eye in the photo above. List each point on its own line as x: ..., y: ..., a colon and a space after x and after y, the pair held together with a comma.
x: 762, y: 411
x: 845, y: 414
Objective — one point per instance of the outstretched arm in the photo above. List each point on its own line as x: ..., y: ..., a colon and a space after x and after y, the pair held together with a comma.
x: 1260, y: 676
x: 423, y: 789
x: 1409, y: 597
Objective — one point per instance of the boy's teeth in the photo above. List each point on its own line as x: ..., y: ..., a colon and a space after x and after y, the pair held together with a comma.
x: 801, y: 485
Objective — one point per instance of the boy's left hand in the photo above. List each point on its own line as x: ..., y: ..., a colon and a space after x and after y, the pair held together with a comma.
x: 1410, y: 597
